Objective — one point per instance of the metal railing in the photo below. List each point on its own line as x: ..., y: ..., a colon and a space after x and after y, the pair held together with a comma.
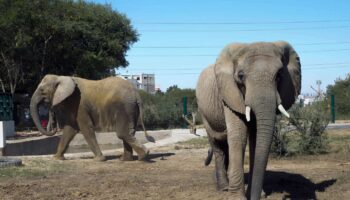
x: 6, y: 107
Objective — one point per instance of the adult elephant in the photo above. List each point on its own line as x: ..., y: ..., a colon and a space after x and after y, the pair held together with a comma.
x: 238, y: 98
x: 111, y: 104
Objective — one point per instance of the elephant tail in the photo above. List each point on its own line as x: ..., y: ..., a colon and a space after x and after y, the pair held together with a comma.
x: 209, y: 157
x: 148, y: 137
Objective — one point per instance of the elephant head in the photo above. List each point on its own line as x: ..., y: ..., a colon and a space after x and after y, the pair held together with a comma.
x: 262, y: 78
x: 53, y: 90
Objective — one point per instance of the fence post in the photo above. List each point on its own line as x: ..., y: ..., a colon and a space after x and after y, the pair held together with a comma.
x: 332, y: 108
x: 184, y: 101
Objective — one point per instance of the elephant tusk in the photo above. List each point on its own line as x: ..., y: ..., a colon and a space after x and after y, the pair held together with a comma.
x: 283, y: 111
x: 247, y: 113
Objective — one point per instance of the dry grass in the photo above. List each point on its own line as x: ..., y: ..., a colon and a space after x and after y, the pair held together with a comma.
x: 175, y: 174
x: 195, y: 143
x: 35, y: 168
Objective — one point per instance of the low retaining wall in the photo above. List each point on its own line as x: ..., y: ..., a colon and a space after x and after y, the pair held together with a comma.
x: 42, y: 145
x: 45, y: 145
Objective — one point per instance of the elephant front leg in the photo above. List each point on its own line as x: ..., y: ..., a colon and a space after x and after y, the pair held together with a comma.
x: 237, y: 140
x: 87, y: 129
x: 68, y: 134
x: 90, y: 137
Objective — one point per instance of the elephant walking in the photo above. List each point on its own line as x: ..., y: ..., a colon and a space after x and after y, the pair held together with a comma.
x: 238, y: 99
x: 111, y: 104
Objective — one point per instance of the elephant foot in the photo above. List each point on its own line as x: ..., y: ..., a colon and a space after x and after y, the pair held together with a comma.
x: 222, y: 187
x: 238, y: 196
x: 59, y: 157
x: 143, y: 155
x: 263, y: 195
x: 126, y: 157
x: 100, y: 158
x: 221, y: 183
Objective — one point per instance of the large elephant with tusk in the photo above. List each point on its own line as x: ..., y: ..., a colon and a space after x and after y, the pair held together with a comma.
x: 238, y: 99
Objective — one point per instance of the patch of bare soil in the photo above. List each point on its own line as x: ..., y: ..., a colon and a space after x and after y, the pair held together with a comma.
x: 177, y: 174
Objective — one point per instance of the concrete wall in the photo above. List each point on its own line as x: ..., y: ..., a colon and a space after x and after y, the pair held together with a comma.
x: 42, y: 145
x: 45, y: 145
x: 111, y: 137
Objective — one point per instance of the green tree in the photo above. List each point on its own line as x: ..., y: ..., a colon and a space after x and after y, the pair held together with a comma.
x: 280, y: 141
x: 164, y: 110
x: 63, y: 37
x: 341, y: 91
x: 172, y: 88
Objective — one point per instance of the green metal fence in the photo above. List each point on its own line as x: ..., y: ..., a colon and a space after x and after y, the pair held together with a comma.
x: 6, y: 107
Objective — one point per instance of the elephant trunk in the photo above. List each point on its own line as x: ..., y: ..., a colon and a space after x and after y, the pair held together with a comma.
x: 35, y: 100
x: 265, y: 113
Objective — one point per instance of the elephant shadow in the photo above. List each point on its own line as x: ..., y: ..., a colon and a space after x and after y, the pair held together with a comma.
x: 150, y: 158
x: 296, y: 186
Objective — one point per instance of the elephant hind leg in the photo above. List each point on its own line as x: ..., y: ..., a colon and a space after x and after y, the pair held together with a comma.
x: 221, y: 163
x: 220, y: 150
x: 128, y: 136
x: 128, y: 152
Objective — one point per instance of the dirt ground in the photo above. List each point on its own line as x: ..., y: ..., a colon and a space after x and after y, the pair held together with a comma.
x: 172, y: 173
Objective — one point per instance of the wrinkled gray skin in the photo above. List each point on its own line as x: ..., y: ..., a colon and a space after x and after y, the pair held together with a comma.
x: 111, y: 104
x: 261, y: 76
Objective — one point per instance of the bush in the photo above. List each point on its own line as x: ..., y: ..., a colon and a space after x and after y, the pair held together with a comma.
x: 280, y: 141
x: 311, y: 122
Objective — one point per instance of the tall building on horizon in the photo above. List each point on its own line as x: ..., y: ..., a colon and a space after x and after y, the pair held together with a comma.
x: 143, y: 81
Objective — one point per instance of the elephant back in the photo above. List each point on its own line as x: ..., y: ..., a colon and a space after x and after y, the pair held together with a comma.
x: 109, y: 102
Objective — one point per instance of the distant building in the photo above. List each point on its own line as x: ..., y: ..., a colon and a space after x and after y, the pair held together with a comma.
x: 158, y: 89
x: 308, y: 99
x: 144, y: 82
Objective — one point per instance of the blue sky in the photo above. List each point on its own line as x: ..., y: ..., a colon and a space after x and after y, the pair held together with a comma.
x: 179, y: 38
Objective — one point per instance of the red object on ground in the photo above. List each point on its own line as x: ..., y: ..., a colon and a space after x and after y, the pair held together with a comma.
x: 44, y: 123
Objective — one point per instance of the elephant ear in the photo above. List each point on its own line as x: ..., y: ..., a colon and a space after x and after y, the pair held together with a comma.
x: 224, y: 73
x: 290, y: 79
x: 65, y: 88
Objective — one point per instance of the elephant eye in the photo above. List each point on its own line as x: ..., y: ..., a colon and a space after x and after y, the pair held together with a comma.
x: 241, y: 75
